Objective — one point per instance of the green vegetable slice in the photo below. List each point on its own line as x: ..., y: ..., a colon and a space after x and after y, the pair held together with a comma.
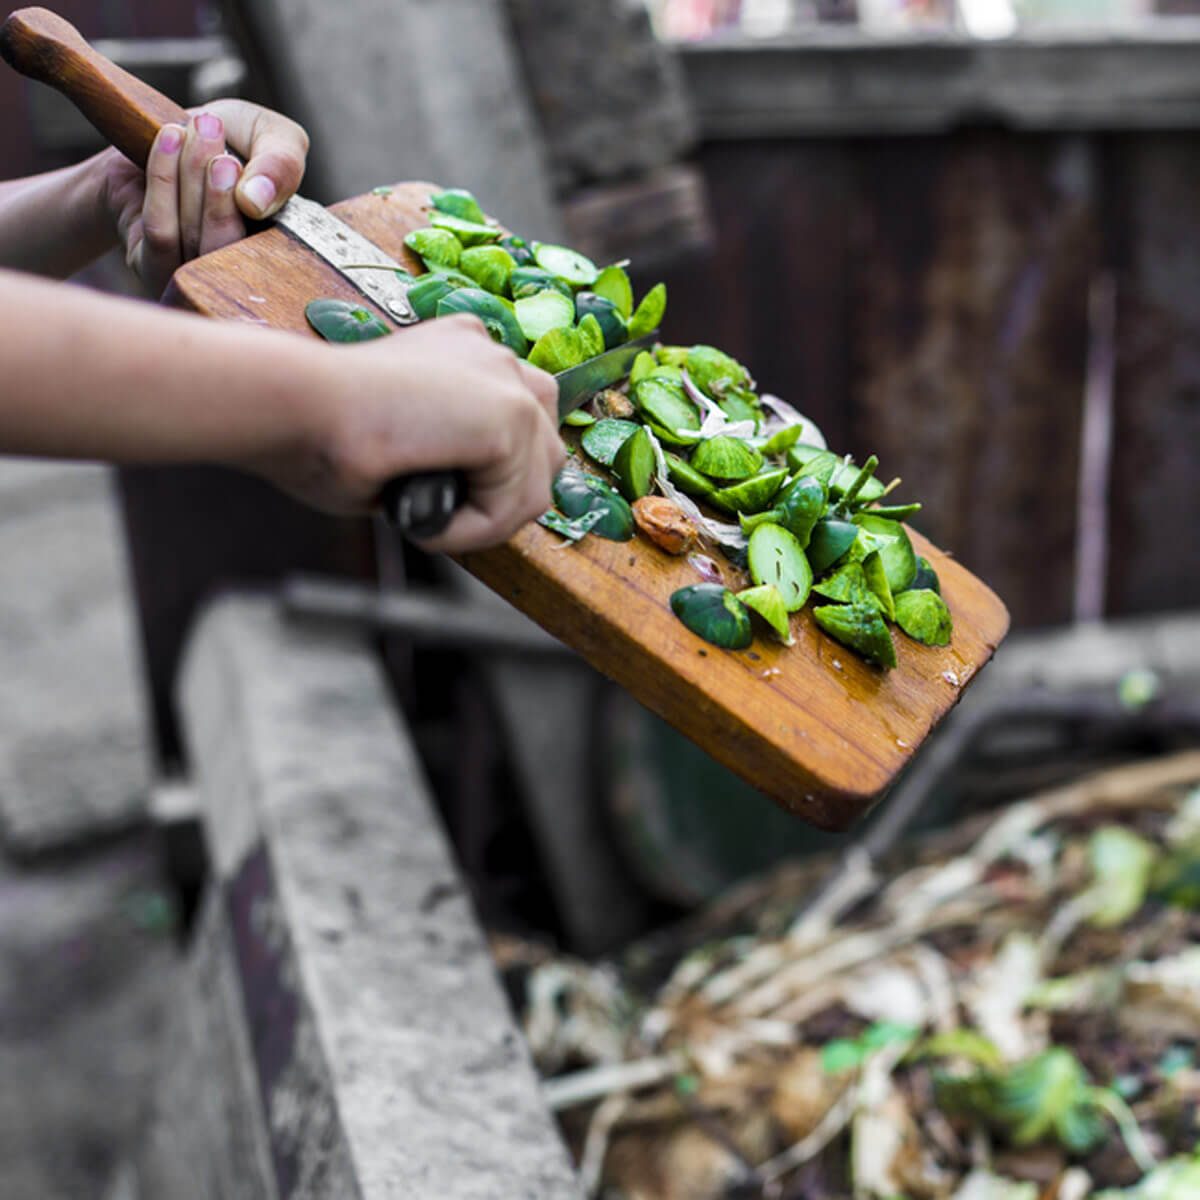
x: 859, y: 626
x: 811, y: 460
x: 425, y: 294
x: 688, y: 480
x: 673, y: 356
x: 575, y: 268
x: 634, y: 465
x: 666, y: 404
x: 602, y: 441
x: 642, y: 366
x: 518, y: 248
x: 767, y: 601
x: 540, y: 313
x: 575, y: 492
x: 579, y: 418
x: 714, y: 613
x: 490, y: 267
x: 715, y: 372
x: 847, y: 585
x: 754, y: 494
x: 896, y: 512
x: 797, y: 509
x: 591, y: 337
x: 781, y: 442
x: 830, y: 539
x: 923, y: 615
x: 470, y: 233
x: 605, y: 311
x: 435, y: 247
x: 926, y: 577
x: 497, y: 316
x: 899, y: 558
x: 557, y: 350
x: 613, y: 284
x: 648, y: 315
x: 775, y: 557
x: 574, y: 529
x: 528, y: 281
x: 724, y: 457
x: 740, y: 404
x: 458, y: 202
x: 344, y: 322
x: 876, y: 577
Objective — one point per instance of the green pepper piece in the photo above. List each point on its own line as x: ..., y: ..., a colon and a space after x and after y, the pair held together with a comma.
x: 605, y: 311
x: 540, y: 313
x: 648, y: 315
x: 831, y: 538
x: 899, y: 558
x: 577, y: 269
x: 576, y: 492
x: 591, y: 337
x: 634, y: 465
x: 714, y: 613
x: 688, y: 480
x: 859, y: 626
x: 926, y: 577
x: 767, y: 601
x: 876, y: 577
x: 528, y: 281
x: 435, y: 247
x: 723, y: 457
x: 754, y: 494
x: 602, y: 441
x: 458, y: 202
x: 715, y: 372
x: 470, y: 233
x: 847, y: 585
x: 343, y: 321
x: 495, y: 313
x: 557, y: 350
x: 666, y: 404
x: 798, y: 509
x: 775, y: 557
x: 613, y: 284
x: 923, y: 615
x: 490, y: 267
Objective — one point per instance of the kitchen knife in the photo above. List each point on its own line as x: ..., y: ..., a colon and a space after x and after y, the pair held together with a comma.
x: 129, y: 114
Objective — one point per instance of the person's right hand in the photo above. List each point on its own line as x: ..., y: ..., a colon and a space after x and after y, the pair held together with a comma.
x: 438, y: 395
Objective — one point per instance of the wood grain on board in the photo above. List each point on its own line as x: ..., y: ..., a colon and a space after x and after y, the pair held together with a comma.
x: 812, y: 725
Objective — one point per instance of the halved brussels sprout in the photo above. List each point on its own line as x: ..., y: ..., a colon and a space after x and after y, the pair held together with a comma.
x: 577, y: 269
x: 613, y: 284
x: 458, y: 202
x: 435, y: 247
x: 576, y: 492
x: 666, y: 404
x: 923, y: 615
x: 723, y: 457
x: 542, y: 312
x: 344, y: 322
x: 528, y: 281
x: 497, y: 316
x: 767, y: 601
x: 775, y: 557
x: 648, y: 315
x: 634, y: 465
x: 714, y: 613
x: 859, y: 626
x: 557, y: 350
x: 602, y: 441
x: 605, y: 311
x: 490, y: 267
x: 470, y: 233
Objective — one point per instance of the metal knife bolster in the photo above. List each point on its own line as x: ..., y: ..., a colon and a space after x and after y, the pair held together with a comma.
x: 347, y: 251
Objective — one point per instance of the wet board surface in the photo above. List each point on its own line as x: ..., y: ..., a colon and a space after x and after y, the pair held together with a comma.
x: 811, y: 725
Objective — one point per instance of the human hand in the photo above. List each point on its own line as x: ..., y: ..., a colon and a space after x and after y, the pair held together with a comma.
x: 435, y: 396
x: 193, y: 195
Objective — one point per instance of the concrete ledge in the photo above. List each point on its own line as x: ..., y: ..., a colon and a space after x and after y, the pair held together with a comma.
x: 838, y: 82
x: 384, y: 1058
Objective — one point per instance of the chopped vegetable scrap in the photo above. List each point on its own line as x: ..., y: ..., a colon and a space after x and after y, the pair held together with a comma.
x: 687, y: 440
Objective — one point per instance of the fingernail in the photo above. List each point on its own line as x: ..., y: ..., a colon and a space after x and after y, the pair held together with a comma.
x: 260, y: 191
x: 170, y: 139
x: 209, y: 127
x: 223, y: 172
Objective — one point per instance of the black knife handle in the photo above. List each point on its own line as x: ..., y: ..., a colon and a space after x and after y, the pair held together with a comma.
x: 421, y: 506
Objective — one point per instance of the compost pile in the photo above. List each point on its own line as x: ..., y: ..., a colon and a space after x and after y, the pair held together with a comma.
x: 1015, y: 1017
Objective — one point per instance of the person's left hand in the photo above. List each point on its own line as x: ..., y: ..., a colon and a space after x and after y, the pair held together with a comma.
x: 193, y: 195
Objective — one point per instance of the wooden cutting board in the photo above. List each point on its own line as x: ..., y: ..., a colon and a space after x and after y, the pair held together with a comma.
x: 812, y: 725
